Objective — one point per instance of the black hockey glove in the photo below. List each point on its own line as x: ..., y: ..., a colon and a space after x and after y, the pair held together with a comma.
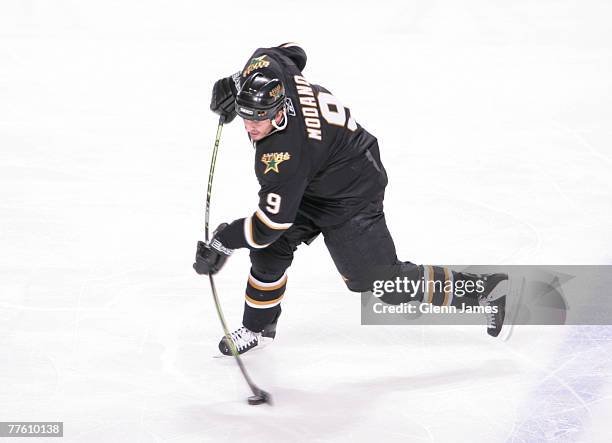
x: 223, y: 98
x: 210, y: 257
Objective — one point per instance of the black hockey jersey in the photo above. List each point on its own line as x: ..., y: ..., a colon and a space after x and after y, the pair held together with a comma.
x: 323, y: 164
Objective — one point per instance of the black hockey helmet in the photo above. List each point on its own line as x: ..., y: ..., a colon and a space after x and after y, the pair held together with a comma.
x: 261, y: 97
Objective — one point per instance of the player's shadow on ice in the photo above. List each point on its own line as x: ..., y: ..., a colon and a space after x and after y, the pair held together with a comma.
x: 308, y: 414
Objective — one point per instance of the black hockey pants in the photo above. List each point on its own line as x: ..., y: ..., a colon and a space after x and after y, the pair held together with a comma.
x: 356, y: 246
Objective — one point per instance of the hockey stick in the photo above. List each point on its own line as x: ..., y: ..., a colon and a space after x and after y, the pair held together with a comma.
x: 259, y: 395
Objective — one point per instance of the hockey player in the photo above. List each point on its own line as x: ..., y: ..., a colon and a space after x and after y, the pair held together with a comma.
x: 319, y: 172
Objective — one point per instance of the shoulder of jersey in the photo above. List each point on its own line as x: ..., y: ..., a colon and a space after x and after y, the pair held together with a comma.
x: 261, y: 58
x: 278, y: 158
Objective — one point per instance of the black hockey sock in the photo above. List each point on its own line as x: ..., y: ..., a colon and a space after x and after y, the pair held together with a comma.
x: 443, y: 287
x: 424, y: 283
x: 436, y: 285
x: 262, y: 301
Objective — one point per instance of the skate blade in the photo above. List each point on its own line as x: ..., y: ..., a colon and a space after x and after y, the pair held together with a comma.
x: 512, y: 310
x: 263, y: 342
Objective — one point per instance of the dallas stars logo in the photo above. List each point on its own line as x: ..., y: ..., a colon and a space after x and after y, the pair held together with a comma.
x: 273, y: 159
x: 256, y: 63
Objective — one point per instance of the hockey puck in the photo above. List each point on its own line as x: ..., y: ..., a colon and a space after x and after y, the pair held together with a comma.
x: 262, y: 397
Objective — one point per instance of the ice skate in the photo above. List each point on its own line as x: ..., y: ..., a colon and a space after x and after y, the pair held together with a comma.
x: 245, y: 339
x: 494, y: 296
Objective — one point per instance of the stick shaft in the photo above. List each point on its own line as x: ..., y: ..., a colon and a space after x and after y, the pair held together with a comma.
x: 211, y: 174
x: 232, y: 346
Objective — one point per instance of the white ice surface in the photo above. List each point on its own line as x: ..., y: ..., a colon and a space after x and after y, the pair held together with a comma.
x: 494, y: 124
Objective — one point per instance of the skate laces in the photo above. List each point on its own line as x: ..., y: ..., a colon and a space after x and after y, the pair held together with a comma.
x: 490, y: 316
x: 243, y: 338
x: 491, y: 319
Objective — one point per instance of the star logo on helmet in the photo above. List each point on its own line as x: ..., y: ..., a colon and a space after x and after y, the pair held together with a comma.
x: 273, y: 159
x: 275, y: 92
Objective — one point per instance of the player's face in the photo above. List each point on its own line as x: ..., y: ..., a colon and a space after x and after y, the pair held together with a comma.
x: 258, y: 129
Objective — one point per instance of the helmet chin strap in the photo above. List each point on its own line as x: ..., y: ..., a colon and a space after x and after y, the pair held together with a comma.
x: 283, y: 122
x: 277, y: 128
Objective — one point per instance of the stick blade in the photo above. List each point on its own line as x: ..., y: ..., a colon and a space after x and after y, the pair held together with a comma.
x: 260, y: 397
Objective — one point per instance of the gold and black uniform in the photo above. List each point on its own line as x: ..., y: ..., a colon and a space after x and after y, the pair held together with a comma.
x: 323, y: 165
x: 319, y: 172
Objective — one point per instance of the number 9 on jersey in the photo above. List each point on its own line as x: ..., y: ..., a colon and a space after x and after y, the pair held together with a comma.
x: 274, y: 201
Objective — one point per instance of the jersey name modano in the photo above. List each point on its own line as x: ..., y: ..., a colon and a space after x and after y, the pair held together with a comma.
x: 309, y: 107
